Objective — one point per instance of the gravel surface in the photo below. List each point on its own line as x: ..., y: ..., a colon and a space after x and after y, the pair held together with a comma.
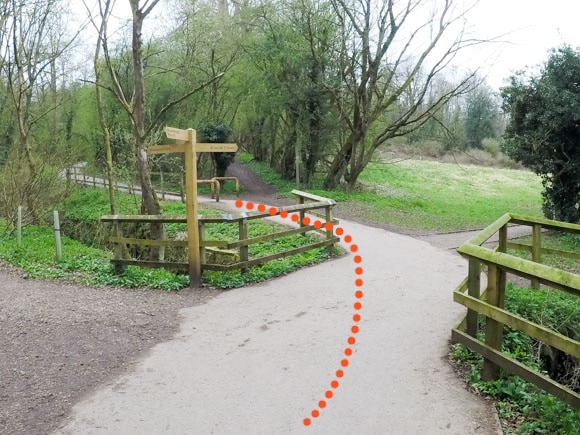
x: 59, y: 341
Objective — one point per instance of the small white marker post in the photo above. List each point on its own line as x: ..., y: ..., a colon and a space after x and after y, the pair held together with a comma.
x: 57, y: 236
x: 186, y: 142
x: 19, y: 226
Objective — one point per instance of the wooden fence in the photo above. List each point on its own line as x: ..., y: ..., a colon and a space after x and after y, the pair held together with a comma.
x: 77, y: 174
x: 308, y: 204
x: 490, y: 302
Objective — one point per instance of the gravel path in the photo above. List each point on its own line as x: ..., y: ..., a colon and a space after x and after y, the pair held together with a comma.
x: 257, y: 360
x: 59, y: 341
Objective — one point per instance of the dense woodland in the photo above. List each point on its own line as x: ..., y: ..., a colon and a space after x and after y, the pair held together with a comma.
x: 313, y: 85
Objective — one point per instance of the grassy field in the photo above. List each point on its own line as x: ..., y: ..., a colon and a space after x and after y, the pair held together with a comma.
x: 431, y: 196
x: 444, y: 196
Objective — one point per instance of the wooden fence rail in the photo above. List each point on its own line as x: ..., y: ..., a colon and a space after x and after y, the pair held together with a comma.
x: 241, y: 243
x: 490, y: 302
x: 77, y: 174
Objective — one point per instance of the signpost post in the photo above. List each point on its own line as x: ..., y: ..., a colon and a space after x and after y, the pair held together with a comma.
x: 186, y: 143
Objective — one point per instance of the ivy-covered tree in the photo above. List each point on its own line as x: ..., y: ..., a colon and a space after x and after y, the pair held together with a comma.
x: 481, y: 117
x: 218, y: 133
x: 543, y: 132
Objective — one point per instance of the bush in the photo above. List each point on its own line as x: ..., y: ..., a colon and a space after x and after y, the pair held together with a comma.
x: 39, y: 194
x: 431, y: 148
x: 518, y: 402
x: 491, y: 146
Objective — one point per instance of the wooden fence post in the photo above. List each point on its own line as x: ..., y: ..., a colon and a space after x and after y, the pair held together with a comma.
x: 118, y: 250
x: 493, y: 328
x: 473, y: 289
x: 19, y: 226
x: 501, y: 274
x: 162, y: 181
x: 202, y: 252
x: 243, y: 235
x: 181, y: 191
x: 536, y: 251
x: 329, y: 234
x: 301, y: 202
x: 57, y: 236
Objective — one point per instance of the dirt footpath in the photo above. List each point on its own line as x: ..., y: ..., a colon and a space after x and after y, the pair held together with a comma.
x: 258, y: 360
x: 58, y: 341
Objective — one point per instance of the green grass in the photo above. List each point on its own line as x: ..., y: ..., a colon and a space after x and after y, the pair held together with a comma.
x: 443, y: 196
x: 553, y: 240
x: 91, y: 266
x: 428, y: 195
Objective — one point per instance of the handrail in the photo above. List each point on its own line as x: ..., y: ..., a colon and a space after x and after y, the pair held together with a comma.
x: 551, y: 276
x: 498, y: 263
x: 485, y: 234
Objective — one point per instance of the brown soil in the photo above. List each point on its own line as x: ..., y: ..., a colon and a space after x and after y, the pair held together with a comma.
x: 60, y: 341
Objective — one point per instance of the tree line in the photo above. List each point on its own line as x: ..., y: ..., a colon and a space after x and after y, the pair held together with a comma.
x: 305, y: 85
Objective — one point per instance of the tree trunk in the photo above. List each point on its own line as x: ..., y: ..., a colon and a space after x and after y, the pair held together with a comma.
x: 341, y: 161
x: 150, y: 202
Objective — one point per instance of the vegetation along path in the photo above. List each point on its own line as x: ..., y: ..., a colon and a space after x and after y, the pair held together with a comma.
x: 259, y: 359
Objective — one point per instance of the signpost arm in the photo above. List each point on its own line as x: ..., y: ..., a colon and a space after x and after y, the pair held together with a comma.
x: 191, y: 207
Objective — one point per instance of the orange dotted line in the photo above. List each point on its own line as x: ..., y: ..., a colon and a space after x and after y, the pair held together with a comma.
x: 358, y: 294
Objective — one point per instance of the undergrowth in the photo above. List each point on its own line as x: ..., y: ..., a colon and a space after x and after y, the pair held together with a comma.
x: 522, y: 407
x: 91, y: 266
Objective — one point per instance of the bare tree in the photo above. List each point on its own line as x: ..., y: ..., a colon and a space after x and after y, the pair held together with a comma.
x: 32, y: 43
x: 386, y: 46
x: 105, y: 9
x: 133, y: 104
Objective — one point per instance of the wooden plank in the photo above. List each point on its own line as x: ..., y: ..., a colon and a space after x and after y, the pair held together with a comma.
x: 220, y: 267
x: 493, y: 328
x: 551, y: 276
x: 536, y: 250
x: 262, y: 260
x: 322, y: 217
x: 214, y: 244
x: 312, y: 197
x: 165, y: 149
x: 473, y: 288
x: 329, y: 234
x: 144, y: 218
x: 181, y: 267
x: 268, y: 237
x: 216, y: 147
x: 289, y: 252
x: 501, y: 274
x: 546, y: 223
x: 191, y: 211
x: 176, y: 133
x: 541, y: 333
x: 461, y: 288
x: 490, y: 230
x: 148, y: 242
x: 243, y: 235
x: 518, y: 369
x: 259, y: 215
x: 547, y: 251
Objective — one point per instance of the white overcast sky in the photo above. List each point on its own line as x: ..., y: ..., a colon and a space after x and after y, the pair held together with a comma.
x: 527, y: 29
x: 530, y: 29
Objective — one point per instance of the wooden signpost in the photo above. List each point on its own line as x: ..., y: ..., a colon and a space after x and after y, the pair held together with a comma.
x: 186, y: 143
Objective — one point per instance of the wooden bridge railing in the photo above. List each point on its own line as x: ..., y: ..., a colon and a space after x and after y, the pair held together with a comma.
x: 241, y: 244
x: 490, y: 303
